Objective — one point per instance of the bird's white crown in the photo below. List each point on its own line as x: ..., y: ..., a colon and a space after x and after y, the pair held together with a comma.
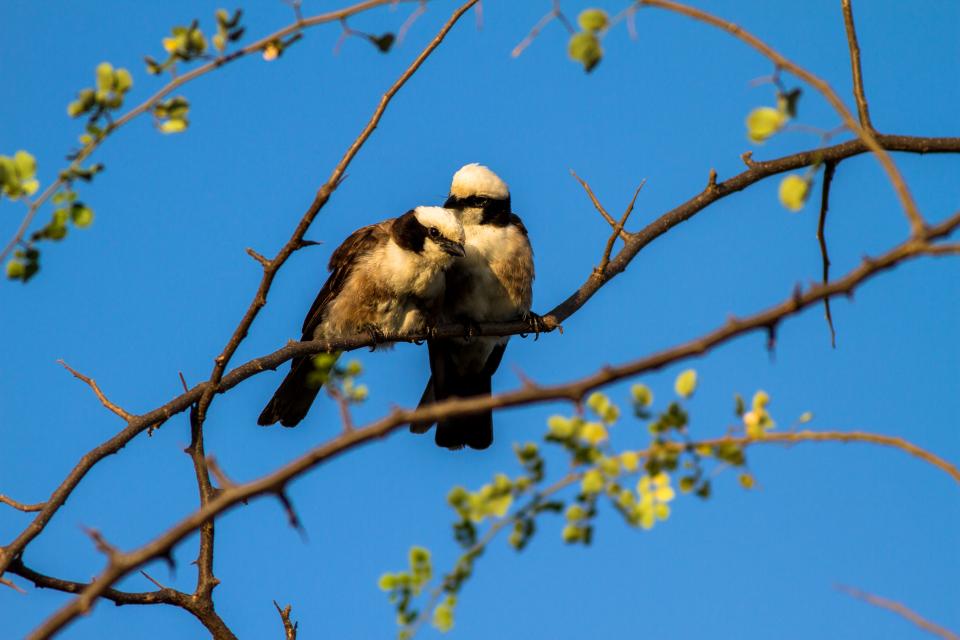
x: 477, y: 180
x: 444, y: 220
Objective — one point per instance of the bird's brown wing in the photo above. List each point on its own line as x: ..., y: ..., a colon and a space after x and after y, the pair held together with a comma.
x: 359, y: 243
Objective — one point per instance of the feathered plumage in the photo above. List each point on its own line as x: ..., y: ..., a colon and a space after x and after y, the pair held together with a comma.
x: 387, y: 278
x: 493, y: 282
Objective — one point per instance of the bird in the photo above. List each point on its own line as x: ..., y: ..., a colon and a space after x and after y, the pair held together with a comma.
x: 492, y: 282
x: 387, y: 277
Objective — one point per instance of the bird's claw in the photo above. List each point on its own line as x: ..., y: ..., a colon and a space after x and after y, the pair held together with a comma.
x: 535, y: 321
x: 375, y: 333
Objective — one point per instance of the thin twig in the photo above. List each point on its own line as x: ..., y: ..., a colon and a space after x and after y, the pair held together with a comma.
x: 20, y: 506
x: 96, y: 389
x: 599, y: 207
x: 917, y: 223
x: 426, y: 611
x: 405, y: 27
x: 828, y: 172
x: 175, y: 83
x: 121, y: 564
x: 901, y: 610
x: 289, y: 627
x: 552, y: 15
x: 552, y: 320
x: 862, y: 109
x: 617, y: 230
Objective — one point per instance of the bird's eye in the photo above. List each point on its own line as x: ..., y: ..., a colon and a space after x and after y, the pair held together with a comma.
x: 434, y: 232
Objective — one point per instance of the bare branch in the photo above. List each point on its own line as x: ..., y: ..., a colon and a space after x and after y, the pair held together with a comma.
x: 121, y: 564
x: 552, y: 15
x: 901, y: 610
x: 289, y: 627
x: 617, y: 230
x: 20, y: 506
x: 96, y: 389
x: 862, y: 109
x: 164, y: 595
x: 264, y: 262
x: 175, y: 83
x: 552, y: 320
x: 323, y: 195
x: 828, y: 172
x: 917, y: 223
x: 596, y: 203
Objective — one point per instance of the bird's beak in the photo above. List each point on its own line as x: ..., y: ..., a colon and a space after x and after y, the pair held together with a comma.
x: 451, y: 247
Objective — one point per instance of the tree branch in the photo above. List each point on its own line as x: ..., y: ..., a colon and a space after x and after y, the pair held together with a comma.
x: 180, y: 80
x: 20, y: 506
x: 120, y: 564
x: 289, y: 627
x: 916, y: 221
x: 862, y: 109
x: 901, y: 610
x: 96, y: 390
x: 758, y: 171
x: 164, y: 595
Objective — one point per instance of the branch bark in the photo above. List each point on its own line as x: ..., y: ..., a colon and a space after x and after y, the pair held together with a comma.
x: 120, y: 564
x: 758, y: 171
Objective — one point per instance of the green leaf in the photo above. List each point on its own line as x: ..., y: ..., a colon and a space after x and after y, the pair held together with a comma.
x: 25, y: 164
x: 793, y: 192
x: 123, y: 81
x: 686, y: 383
x: 104, y: 76
x: 593, y: 20
x: 81, y: 215
x: 174, y: 125
x: 584, y: 47
x: 16, y: 270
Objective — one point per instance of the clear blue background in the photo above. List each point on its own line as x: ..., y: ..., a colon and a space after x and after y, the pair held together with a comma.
x: 160, y: 280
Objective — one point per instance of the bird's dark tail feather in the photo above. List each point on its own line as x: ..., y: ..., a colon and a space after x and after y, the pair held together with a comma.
x: 293, y: 398
x: 427, y: 398
x: 474, y: 431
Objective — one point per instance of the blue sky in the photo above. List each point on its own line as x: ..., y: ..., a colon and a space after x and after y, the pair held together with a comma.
x: 157, y: 284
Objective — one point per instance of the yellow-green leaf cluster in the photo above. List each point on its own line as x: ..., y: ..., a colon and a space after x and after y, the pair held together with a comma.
x: 584, y: 47
x: 686, y: 383
x: 228, y: 28
x: 794, y: 191
x: 111, y: 87
x: 18, y: 175
x: 171, y: 115
x: 758, y: 421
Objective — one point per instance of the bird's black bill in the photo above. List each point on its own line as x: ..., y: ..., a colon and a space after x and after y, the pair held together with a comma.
x: 451, y: 247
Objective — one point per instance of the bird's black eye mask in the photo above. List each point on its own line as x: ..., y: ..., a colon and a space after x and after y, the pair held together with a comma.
x: 409, y: 233
x: 495, y: 211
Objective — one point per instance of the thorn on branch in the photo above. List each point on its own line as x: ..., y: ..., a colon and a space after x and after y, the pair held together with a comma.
x: 712, y: 180
x: 307, y: 243
x: 183, y: 381
x: 151, y: 579
x: 292, y: 518
x: 222, y: 479
x: 772, y: 339
x: 11, y: 584
x: 100, y: 542
x: 289, y: 627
